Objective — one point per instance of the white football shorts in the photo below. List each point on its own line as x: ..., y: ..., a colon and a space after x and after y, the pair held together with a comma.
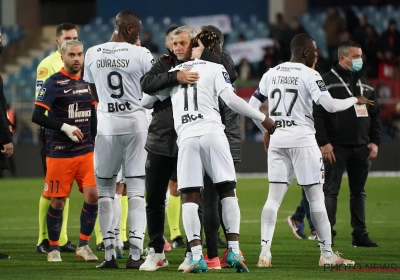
x: 113, y: 151
x: 303, y: 162
x: 208, y: 153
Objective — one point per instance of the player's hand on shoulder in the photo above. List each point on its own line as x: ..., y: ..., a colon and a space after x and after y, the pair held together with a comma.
x: 186, y: 77
x: 362, y: 100
x: 327, y: 153
x: 197, y: 51
x: 73, y: 132
x: 269, y: 125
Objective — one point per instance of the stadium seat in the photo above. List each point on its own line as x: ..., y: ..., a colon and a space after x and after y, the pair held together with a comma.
x: 8, y: 92
x: 26, y: 93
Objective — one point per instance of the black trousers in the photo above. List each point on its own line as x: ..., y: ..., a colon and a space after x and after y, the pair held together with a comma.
x: 212, y: 216
x: 42, y: 140
x: 354, y: 159
x: 158, y: 172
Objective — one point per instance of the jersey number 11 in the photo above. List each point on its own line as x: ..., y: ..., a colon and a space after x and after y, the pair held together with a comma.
x: 185, y: 95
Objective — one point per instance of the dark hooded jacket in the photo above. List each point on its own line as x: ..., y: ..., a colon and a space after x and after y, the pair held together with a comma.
x: 161, y: 139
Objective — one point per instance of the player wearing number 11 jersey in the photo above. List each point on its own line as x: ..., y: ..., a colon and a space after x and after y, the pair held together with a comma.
x: 113, y: 70
x: 203, y: 146
x: 290, y: 88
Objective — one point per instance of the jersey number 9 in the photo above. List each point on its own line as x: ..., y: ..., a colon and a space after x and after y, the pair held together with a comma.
x: 115, y: 87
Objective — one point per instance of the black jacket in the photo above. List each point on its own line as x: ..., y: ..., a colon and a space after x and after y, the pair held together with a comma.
x: 5, y: 134
x: 162, y: 137
x: 345, y: 128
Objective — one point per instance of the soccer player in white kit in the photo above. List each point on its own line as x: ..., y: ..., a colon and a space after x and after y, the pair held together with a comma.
x: 203, y: 146
x: 290, y: 88
x: 113, y: 70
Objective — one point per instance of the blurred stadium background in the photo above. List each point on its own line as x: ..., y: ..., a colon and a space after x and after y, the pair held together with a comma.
x: 258, y: 33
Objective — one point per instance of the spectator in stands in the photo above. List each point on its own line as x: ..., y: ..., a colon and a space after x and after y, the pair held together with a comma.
x: 322, y: 65
x: 352, y: 21
x: 147, y: 42
x: 387, y: 66
x: 360, y: 34
x: 390, y: 40
x: 241, y: 38
x: 280, y: 32
x: 348, y: 139
x: 296, y: 27
x: 271, y: 59
x: 245, y: 71
x: 334, y: 25
x: 6, y: 145
x: 370, y: 50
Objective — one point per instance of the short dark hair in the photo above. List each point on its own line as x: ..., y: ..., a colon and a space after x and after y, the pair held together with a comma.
x: 64, y: 26
x: 169, y: 30
x: 125, y: 17
x: 344, y: 47
x: 218, y: 33
x: 301, y: 41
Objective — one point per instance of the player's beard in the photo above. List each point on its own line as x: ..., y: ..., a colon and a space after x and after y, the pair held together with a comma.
x: 74, y: 69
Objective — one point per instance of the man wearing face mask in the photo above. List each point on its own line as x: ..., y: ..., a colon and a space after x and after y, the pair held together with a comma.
x: 348, y: 139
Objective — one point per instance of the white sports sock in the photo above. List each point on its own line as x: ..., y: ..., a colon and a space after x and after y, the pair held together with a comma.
x: 191, y: 221
x: 105, y: 219
x: 265, y: 251
x: 117, y: 219
x: 268, y: 215
x: 167, y: 199
x: 319, y: 217
x: 196, y: 252
x: 137, y: 220
x: 231, y: 214
x: 234, y: 245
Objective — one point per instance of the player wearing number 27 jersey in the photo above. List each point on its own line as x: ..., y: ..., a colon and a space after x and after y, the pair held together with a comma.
x: 290, y: 88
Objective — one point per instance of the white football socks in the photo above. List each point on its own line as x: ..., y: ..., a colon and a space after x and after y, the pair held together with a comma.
x: 269, y: 213
x: 231, y: 214
x: 137, y: 221
x: 319, y: 217
x: 117, y: 220
x: 106, y: 216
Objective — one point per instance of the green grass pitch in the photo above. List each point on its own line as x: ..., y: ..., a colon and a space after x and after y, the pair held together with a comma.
x: 292, y: 258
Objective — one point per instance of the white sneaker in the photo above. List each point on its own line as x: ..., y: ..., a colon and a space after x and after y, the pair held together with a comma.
x: 265, y: 257
x: 86, y: 253
x: 313, y: 236
x: 54, y: 256
x: 186, y: 262
x: 335, y: 260
x: 154, y: 261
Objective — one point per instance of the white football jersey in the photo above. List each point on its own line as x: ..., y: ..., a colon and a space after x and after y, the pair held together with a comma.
x: 195, y: 107
x: 291, y: 88
x: 116, y: 69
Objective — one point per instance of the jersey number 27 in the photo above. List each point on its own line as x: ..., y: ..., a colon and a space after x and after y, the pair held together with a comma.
x: 293, y: 101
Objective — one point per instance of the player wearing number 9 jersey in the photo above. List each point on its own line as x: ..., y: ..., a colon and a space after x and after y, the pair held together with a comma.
x: 113, y: 70
x: 290, y: 88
